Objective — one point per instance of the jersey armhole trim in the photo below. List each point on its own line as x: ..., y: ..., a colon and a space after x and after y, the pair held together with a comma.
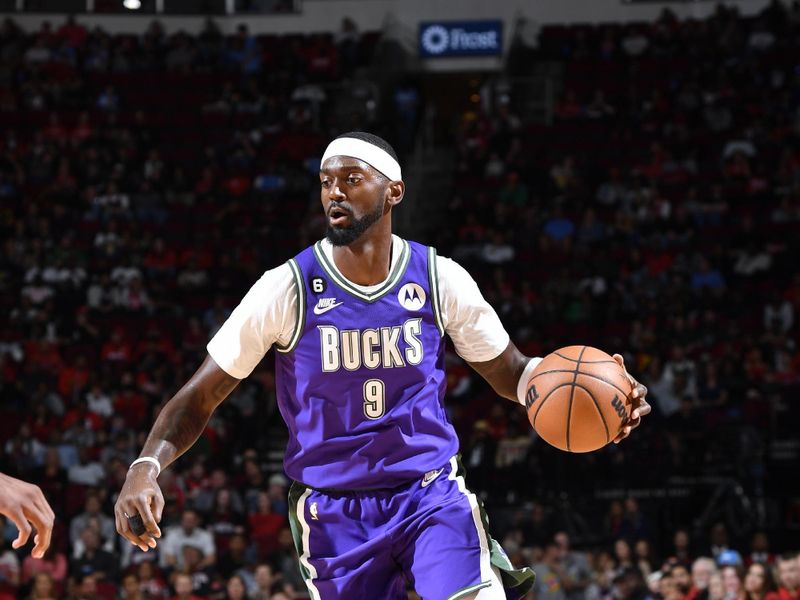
x: 300, y: 316
x: 433, y: 284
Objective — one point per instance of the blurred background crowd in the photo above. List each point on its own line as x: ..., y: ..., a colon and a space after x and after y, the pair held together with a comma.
x: 146, y: 181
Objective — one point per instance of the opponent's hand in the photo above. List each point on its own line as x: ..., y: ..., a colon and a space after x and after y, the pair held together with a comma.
x: 140, y: 495
x: 638, y: 401
x: 25, y: 505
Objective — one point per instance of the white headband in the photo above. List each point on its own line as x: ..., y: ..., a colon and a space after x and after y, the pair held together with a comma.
x: 378, y: 159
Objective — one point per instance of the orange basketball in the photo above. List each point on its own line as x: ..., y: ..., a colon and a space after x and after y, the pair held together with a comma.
x: 578, y: 398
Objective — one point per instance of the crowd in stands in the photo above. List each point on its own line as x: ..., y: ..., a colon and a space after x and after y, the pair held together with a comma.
x: 147, y: 181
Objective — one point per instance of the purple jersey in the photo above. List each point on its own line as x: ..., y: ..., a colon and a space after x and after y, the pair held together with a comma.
x: 361, y: 386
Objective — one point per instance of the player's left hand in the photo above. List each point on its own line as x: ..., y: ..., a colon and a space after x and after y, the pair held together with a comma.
x: 638, y: 401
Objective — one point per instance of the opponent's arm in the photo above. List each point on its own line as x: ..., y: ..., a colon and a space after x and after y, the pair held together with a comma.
x: 25, y: 505
x: 176, y: 429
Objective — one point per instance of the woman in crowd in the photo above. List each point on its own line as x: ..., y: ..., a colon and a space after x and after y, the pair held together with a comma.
x: 759, y: 583
x: 235, y: 589
x: 43, y: 587
x: 732, y: 582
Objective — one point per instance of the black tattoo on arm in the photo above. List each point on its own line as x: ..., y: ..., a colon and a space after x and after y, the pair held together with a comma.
x: 186, y: 415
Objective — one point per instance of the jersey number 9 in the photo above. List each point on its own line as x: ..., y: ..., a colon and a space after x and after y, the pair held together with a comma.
x: 374, y: 398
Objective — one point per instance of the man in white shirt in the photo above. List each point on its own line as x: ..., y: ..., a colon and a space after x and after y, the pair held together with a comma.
x: 189, y: 533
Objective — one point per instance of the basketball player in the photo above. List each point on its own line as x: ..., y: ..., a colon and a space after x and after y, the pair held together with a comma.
x: 25, y: 505
x: 358, y: 321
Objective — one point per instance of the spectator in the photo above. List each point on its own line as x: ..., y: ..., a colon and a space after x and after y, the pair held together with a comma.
x: 683, y: 580
x: 759, y: 583
x: 108, y: 100
x: 622, y: 553
x: 716, y: 589
x: 759, y: 550
x: 788, y: 577
x: 263, y: 583
x: 235, y: 589
x: 9, y: 565
x: 643, y: 556
x: 703, y: 569
x: 558, y: 230
x: 43, y: 588
x: 707, y: 277
x: 635, y: 524
x: 87, y: 471
x: 183, y: 588
x: 188, y: 532
x: 277, y: 488
x: 576, y: 574
x: 53, y: 564
x: 235, y: 557
x: 91, y: 513
x: 207, y: 495
x: 92, y: 559
x: 719, y: 545
x: 130, y: 589
x: 629, y: 585
x: 778, y: 315
x: 195, y: 564
x: 497, y: 251
x: 150, y: 581
x: 265, y: 525
x: 732, y: 582
x: 549, y: 584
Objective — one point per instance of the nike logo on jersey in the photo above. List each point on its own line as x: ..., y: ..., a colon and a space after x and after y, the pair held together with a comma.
x: 428, y: 478
x: 326, y: 304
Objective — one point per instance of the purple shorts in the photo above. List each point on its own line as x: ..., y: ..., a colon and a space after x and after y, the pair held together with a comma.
x: 367, y: 545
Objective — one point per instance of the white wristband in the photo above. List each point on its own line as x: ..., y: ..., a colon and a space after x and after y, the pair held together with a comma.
x: 148, y: 459
x: 522, y: 385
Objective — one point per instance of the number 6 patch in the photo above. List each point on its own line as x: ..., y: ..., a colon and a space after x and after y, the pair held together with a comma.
x: 318, y: 285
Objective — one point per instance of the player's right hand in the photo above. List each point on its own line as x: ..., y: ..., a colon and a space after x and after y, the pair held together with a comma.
x: 140, y: 495
x: 25, y: 505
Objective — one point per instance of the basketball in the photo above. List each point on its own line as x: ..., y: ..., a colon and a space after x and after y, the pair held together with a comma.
x: 578, y: 399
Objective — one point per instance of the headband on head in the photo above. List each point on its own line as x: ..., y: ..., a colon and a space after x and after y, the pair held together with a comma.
x: 378, y: 159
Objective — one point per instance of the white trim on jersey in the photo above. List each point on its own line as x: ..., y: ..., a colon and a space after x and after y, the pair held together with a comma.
x: 486, y: 559
x: 306, y: 555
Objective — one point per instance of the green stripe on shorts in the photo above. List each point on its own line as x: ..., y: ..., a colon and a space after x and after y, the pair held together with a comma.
x: 518, y: 580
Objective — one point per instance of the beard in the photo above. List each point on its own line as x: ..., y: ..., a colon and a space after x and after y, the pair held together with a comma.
x: 344, y: 236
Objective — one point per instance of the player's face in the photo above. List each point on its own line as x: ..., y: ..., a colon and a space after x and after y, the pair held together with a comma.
x: 353, y: 197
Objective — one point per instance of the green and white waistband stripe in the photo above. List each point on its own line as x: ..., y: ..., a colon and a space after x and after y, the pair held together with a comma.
x: 300, y: 315
x: 433, y: 284
x: 394, y: 276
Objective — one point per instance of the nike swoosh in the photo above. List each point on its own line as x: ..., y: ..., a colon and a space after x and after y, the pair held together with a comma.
x: 319, y: 311
x: 430, y: 477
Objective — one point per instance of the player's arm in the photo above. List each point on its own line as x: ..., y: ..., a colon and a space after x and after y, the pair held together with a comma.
x: 482, y: 341
x: 508, y: 374
x: 25, y: 505
x: 506, y: 371
x: 265, y: 316
x: 176, y: 429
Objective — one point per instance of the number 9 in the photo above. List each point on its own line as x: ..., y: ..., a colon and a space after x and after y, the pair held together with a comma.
x: 374, y: 398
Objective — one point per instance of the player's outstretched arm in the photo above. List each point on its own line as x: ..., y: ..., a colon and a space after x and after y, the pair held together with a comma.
x: 26, y: 506
x: 176, y: 429
x: 505, y: 373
